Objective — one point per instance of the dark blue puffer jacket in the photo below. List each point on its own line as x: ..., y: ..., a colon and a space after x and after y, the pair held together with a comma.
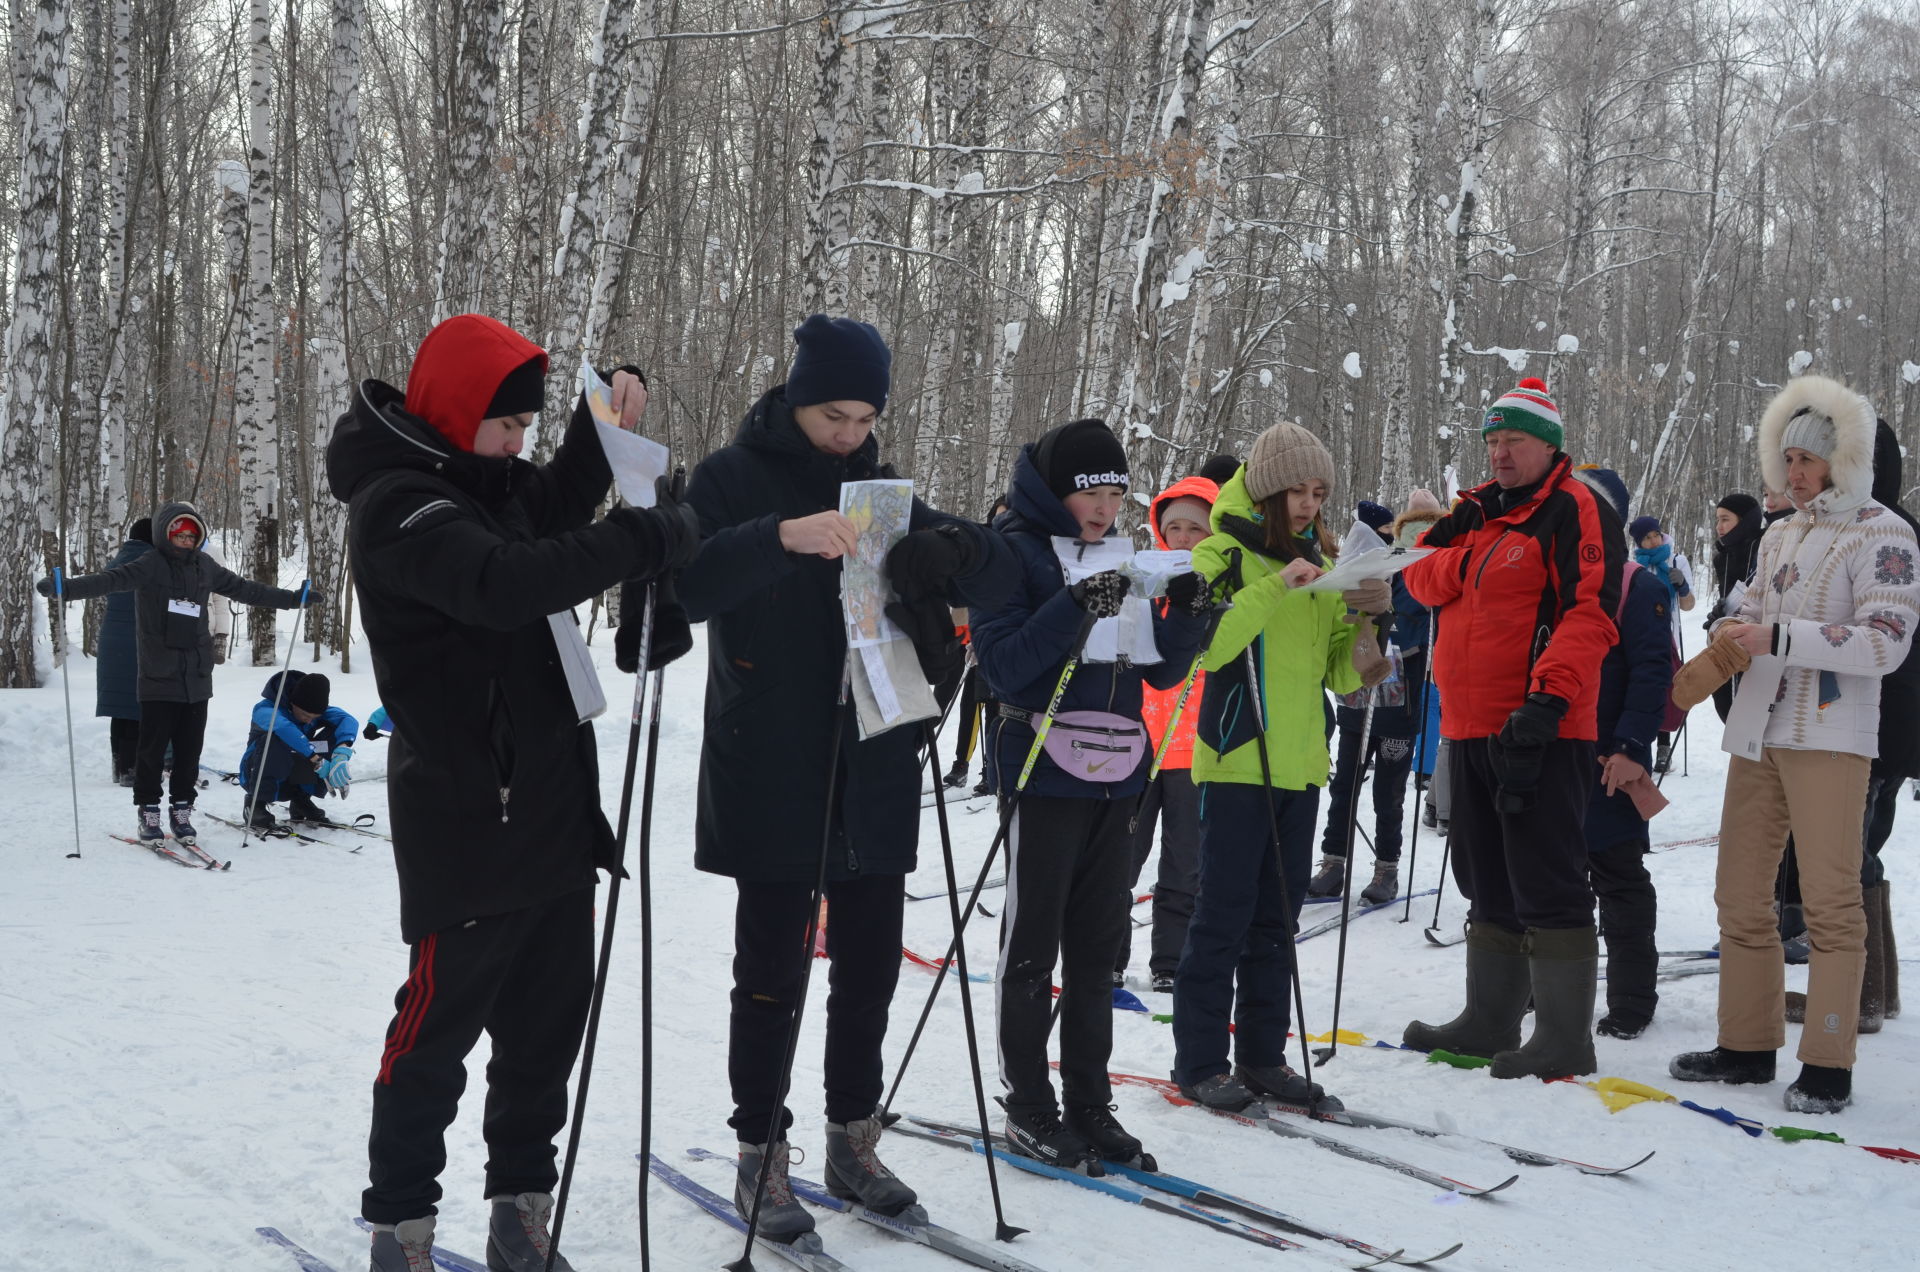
x: 1022, y: 646
x: 117, y: 673
x: 1636, y: 678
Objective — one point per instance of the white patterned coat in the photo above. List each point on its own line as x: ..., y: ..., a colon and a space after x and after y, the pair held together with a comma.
x: 1837, y: 581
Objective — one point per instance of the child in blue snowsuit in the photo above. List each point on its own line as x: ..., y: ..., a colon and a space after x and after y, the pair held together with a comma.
x: 307, y: 753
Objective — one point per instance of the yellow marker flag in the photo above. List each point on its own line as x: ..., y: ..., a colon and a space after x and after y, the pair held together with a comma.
x: 1624, y: 1093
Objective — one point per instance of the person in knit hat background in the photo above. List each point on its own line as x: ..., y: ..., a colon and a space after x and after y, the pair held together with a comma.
x: 1258, y: 770
x: 1525, y: 577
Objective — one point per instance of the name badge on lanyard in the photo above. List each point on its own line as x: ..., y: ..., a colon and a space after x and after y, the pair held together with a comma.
x: 190, y: 609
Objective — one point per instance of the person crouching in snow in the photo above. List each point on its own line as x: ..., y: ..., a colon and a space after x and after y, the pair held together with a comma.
x: 1180, y: 517
x: 461, y: 551
x: 1832, y: 607
x: 1260, y: 766
x: 767, y: 583
x: 306, y: 754
x: 174, y: 641
x: 1068, y: 846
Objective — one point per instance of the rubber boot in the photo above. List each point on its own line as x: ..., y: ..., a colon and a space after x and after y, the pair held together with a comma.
x: 1873, y: 983
x: 1564, y: 964
x: 1497, y: 988
x: 1890, y: 951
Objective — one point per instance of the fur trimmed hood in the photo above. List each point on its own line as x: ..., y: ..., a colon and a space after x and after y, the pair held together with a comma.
x: 1853, y: 427
x: 1416, y: 521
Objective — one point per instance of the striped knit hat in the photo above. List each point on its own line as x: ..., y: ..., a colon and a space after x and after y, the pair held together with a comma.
x: 1527, y: 407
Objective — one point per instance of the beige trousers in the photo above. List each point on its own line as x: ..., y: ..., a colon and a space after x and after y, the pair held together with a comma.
x: 1821, y: 797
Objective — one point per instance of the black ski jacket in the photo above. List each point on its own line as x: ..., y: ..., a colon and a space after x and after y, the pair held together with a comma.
x: 1899, y: 688
x: 458, y: 560
x: 776, y: 645
x: 171, y: 586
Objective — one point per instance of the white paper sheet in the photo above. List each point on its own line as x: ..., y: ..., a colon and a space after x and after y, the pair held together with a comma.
x: 1131, y: 631
x: 1381, y: 563
x: 583, y: 682
x: 636, y: 461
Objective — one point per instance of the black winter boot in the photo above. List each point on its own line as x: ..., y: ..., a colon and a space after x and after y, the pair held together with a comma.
x: 1498, y: 982
x: 1037, y: 1132
x: 1386, y: 883
x: 1564, y: 965
x: 855, y: 1171
x: 1722, y: 1064
x: 1221, y: 1091
x: 1819, y: 1089
x: 1282, y: 1084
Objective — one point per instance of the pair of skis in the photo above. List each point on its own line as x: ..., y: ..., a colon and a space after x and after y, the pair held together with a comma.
x: 308, y: 1261
x: 1167, y: 1194
x: 808, y: 1251
x: 194, y: 856
x: 1274, y: 1116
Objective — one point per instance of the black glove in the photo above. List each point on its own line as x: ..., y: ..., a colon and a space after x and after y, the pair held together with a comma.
x: 314, y: 597
x: 672, y: 633
x: 1516, y: 754
x: 1190, y: 593
x: 44, y: 587
x: 928, y: 622
x: 923, y: 563
x: 1101, y: 594
x: 674, y: 522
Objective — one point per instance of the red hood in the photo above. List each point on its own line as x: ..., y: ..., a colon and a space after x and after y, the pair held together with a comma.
x: 459, y: 368
x: 1186, y: 488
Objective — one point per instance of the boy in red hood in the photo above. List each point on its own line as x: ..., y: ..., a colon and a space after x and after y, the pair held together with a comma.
x: 461, y: 552
x: 1181, y: 516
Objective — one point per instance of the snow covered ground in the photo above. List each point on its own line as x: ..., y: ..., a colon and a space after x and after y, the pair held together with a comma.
x: 185, y: 1056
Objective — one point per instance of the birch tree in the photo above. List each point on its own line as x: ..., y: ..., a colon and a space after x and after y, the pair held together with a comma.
x: 473, y: 117
x: 31, y: 531
x: 254, y: 392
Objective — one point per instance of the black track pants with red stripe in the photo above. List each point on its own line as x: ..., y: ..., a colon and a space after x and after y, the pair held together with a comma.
x: 525, y: 979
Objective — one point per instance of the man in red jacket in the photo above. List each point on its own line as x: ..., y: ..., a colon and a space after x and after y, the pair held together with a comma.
x: 1533, y: 552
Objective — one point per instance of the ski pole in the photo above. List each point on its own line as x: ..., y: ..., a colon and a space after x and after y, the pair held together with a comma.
x: 606, y: 939
x: 1440, y: 887
x: 66, y: 689
x: 1006, y: 821
x: 1326, y: 1053
x: 273, y: 717
x: 1426, y: 734
x: 745, y: 1262
x: 1255, y: 696
x: 1003, y: 1230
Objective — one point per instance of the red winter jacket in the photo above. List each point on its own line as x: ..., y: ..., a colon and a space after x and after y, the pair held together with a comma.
x: 1156, y: 705
x: 1526, y: 603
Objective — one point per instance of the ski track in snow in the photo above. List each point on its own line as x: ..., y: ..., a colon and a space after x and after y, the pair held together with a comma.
x: 188, y: 1055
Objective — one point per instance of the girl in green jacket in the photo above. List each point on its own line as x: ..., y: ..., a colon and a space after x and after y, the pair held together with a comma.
x: 1268, y: 542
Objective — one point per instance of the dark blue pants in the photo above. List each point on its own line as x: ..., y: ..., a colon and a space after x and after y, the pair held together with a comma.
x: 279, y: 767
x: 1238, y: 961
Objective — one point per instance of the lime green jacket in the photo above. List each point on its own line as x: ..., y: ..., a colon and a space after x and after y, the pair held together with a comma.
x: 1300, y: 647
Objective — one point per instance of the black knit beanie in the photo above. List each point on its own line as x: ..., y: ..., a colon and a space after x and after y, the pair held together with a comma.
x: 311, y: 692
x: 1080, y: 456
x: 523, y: 391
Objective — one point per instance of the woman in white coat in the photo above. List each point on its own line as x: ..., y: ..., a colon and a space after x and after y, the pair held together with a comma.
x: 1831, y: 610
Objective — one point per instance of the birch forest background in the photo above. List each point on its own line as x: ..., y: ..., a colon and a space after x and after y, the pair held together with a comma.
x: 1190, y: 217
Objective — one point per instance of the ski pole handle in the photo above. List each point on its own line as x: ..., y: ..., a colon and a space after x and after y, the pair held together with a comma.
x: 59, y: 586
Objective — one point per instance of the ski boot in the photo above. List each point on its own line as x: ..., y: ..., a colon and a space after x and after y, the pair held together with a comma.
x: 150, y: 830
x: 260, y: 819
x: 1096, y: 1124
x: 1722, y: 1064
x: 302, y: 810
x: 1327, y: 879
x: 1163, y: 982
x: 856, y: 1173
x: 180, y: 821
x: 956, y: 776
x: 403, y: 1247
x: 1038, y: 1133
x: 1820, y: 1089
x: 781, y: 1217
x: 1280, y: 1083
x: 1615, y: 1025
x: 517, y: 1237
x: 1222, y: 1091
x: 1386, y: 883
